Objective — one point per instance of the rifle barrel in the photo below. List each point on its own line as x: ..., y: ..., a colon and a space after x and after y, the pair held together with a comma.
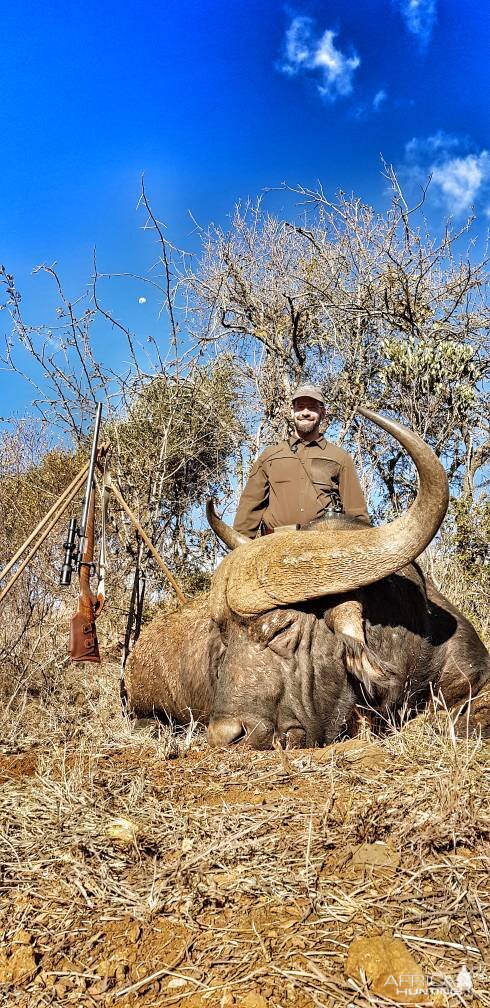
x: 90, y: 477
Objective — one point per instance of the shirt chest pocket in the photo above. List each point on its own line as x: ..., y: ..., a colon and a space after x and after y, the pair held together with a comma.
x: 284, y: 469
x: 324, y: 473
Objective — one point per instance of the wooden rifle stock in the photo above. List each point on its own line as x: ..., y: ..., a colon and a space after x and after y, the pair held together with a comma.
x: 84, y: 645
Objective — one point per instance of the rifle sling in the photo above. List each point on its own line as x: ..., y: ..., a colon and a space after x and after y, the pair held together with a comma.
x: 333, y: 493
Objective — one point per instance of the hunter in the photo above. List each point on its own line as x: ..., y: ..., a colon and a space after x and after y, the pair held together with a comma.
x: 303, y: 480
x: 297, y: 481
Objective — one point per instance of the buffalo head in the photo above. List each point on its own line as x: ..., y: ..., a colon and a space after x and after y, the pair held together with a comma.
x: 282, y: 672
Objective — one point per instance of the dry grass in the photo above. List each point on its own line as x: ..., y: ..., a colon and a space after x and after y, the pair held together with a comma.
x: 234, y: 876
x: 466, y: 589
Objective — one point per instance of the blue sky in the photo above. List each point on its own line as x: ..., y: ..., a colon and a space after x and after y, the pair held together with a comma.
x: 213, y: 102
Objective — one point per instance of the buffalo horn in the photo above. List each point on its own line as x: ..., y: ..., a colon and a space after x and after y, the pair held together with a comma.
x: 292, y: 567
x: 228, y: 535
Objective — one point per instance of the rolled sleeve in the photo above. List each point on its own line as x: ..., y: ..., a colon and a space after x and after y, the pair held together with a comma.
x: 253, y: 502
x: 351, y: 494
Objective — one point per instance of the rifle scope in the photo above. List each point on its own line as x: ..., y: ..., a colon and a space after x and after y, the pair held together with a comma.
x: 74, y: 554
x: 69, y: 547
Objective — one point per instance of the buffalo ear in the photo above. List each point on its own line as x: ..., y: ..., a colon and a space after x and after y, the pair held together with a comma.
x: 380, y: 680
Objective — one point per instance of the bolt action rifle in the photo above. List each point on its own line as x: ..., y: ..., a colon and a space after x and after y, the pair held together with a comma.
x: 79, y: 556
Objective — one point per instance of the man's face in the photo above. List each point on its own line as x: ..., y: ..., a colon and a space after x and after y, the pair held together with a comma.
x: 307, y: 414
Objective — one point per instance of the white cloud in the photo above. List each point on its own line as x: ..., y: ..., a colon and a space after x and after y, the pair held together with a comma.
x: 460, y: 176
x: 306, y: 51
x: 437, y: 145
x: 297, y: 44
x: 379, y: 98
x: 419, y: 17
x: 461, y: 179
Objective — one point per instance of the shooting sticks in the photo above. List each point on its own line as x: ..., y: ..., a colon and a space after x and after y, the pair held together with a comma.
x: 51, y: 519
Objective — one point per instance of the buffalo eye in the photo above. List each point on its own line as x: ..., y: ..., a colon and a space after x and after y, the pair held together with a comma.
x: 285, y: 641
x: 218, y: 642
x: 219, y: 662
x: 263, y: 628
x: 278, y: 631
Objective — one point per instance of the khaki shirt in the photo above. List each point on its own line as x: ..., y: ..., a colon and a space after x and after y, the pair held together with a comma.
x: 279, y: 491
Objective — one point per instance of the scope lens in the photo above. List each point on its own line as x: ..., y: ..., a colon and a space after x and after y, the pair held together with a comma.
x: 65, y: 577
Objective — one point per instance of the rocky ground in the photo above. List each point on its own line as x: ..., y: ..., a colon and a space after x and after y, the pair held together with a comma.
x: 143, y: 870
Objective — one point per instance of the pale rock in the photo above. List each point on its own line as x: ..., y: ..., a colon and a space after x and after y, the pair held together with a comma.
x: 122, y: 830
x: 376, y: 855
x: 390, y: 969
x: 253, y: 1000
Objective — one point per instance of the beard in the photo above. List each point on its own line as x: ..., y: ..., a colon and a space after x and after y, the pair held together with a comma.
x: 306, y: 426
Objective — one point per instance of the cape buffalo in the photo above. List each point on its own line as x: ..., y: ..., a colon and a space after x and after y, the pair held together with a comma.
x: 266, y: 658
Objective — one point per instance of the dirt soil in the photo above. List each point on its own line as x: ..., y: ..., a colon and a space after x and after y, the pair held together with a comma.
x: 147, y: 874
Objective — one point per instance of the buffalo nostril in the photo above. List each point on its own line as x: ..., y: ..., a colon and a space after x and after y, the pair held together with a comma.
x: 225, y: 731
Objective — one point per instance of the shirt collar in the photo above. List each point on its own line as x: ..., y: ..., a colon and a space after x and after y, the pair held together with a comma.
x: 320, y: 441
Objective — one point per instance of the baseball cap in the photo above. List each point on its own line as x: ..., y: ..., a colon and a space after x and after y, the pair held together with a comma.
x: 312, y: 391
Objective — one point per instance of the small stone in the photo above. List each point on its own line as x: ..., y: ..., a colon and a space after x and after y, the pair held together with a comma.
x: 254, y: 1000
x: 177, y: 982
x: 122, y: 830
x: 377, y: 855
x: 390, y: 969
